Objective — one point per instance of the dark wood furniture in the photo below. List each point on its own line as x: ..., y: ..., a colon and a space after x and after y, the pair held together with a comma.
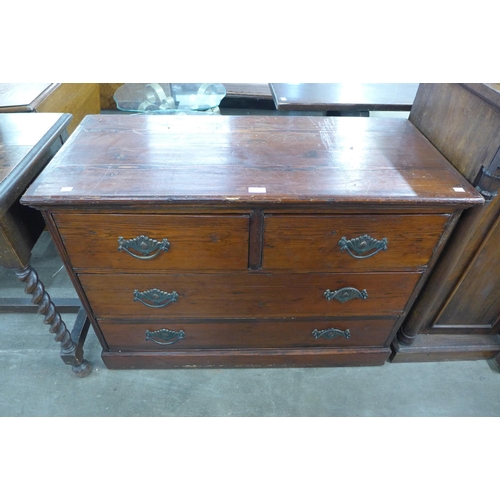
x: 457, y: 315
x: 249, y: 90
x: 344, y: 98
x: 79, y: 99
x: 248, y: 240
x: 28, y: 141
x: 246, y: 98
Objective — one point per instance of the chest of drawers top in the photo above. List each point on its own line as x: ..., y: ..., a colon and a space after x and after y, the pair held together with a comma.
x: 142, y: 161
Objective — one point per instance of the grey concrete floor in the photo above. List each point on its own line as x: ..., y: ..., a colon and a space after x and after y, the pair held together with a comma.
x: 35, y: 382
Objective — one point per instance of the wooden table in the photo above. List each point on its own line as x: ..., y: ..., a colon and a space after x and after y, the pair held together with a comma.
x: 79, y: 99
x: 28, y: 141
x: 248, y: 240
x: 344, y: 98
x: 248, y: 90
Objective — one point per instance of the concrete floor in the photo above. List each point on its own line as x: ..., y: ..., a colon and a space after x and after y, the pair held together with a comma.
x: 35, y: 382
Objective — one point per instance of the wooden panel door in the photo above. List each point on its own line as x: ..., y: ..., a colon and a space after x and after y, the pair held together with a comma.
x: 475, y: 301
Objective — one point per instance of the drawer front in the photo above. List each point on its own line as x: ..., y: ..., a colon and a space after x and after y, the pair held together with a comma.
x: 97, y: 241
x: 357, y: 243
x: 218, y: 335
x: 253, y: 295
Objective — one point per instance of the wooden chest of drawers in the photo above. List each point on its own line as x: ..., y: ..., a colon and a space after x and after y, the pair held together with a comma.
x: 251, y: 240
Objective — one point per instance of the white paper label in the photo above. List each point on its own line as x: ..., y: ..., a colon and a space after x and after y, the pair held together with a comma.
x: 256, y: 189
x: 67, y: 189
x: 459, y: 190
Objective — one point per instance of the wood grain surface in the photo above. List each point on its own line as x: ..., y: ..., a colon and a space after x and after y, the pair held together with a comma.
x: 314, y: 160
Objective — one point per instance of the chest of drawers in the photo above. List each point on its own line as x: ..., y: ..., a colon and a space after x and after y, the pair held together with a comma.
x: 251, y: 240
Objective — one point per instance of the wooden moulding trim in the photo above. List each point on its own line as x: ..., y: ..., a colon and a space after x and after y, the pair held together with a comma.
x: 419, y: 305
x: 484, y: 92
x: 256, y: 239
x: 248, y: 358
x: 38, y: 100
x: 333, y: 208
x: 447, y: 347
x: 434, y: 324
x: 19, y: 178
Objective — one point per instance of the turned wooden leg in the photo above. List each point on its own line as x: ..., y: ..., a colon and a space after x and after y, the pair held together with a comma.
x: 71, y: 352
x: 404, y: 338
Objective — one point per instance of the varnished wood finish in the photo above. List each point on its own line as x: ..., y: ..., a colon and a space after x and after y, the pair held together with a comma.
x: 459, y: 310
x: 312, y: 243
x: 343, y: 96
x: 253, y: 208
x: 248, y: 90
x: 313, y: 162
x: 254, y: 295
x: 248, y: 334
x: 196, y: 241
x: 447, y: 347
x: 462, y: 125
x: 78, y: 99
x: 462, y: 296
x: 28, y: 141
x: 20, y: 97
x: 71, y: 350
x: 247, y: 358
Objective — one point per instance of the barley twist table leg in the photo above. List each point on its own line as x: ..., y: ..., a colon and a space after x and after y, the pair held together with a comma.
x: 70, y: 353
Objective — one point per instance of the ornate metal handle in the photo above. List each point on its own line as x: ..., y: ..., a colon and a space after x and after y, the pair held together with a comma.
x: 357, y: 247
x: 164, y: 336
x: 155, y: 298
x: 146, y: 248
x: 331, y: 333
x: 345, y: 294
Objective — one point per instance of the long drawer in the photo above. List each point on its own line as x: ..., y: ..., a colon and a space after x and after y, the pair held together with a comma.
x: 357, y: 243
x: 251, y: 295
x: 337, y: 332
x: 155, y: 242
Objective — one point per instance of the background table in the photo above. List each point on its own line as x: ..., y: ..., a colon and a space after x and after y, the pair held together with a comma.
x: 28, y: 141
x: 79, y: 99
x: 342, y: 98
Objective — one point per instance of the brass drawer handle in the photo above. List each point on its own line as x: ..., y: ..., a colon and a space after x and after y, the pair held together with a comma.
x: 345, y: 294
x: 357, y: 247
x: 155, y: 298
x: 331, y: 333
x: 164, y: 336
x: 146, y: 247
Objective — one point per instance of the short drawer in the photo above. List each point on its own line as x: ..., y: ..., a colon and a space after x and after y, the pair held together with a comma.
x: 357, y: 243
x: 251, y: 334
x: 252, y: 295
x: 132, y: 243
